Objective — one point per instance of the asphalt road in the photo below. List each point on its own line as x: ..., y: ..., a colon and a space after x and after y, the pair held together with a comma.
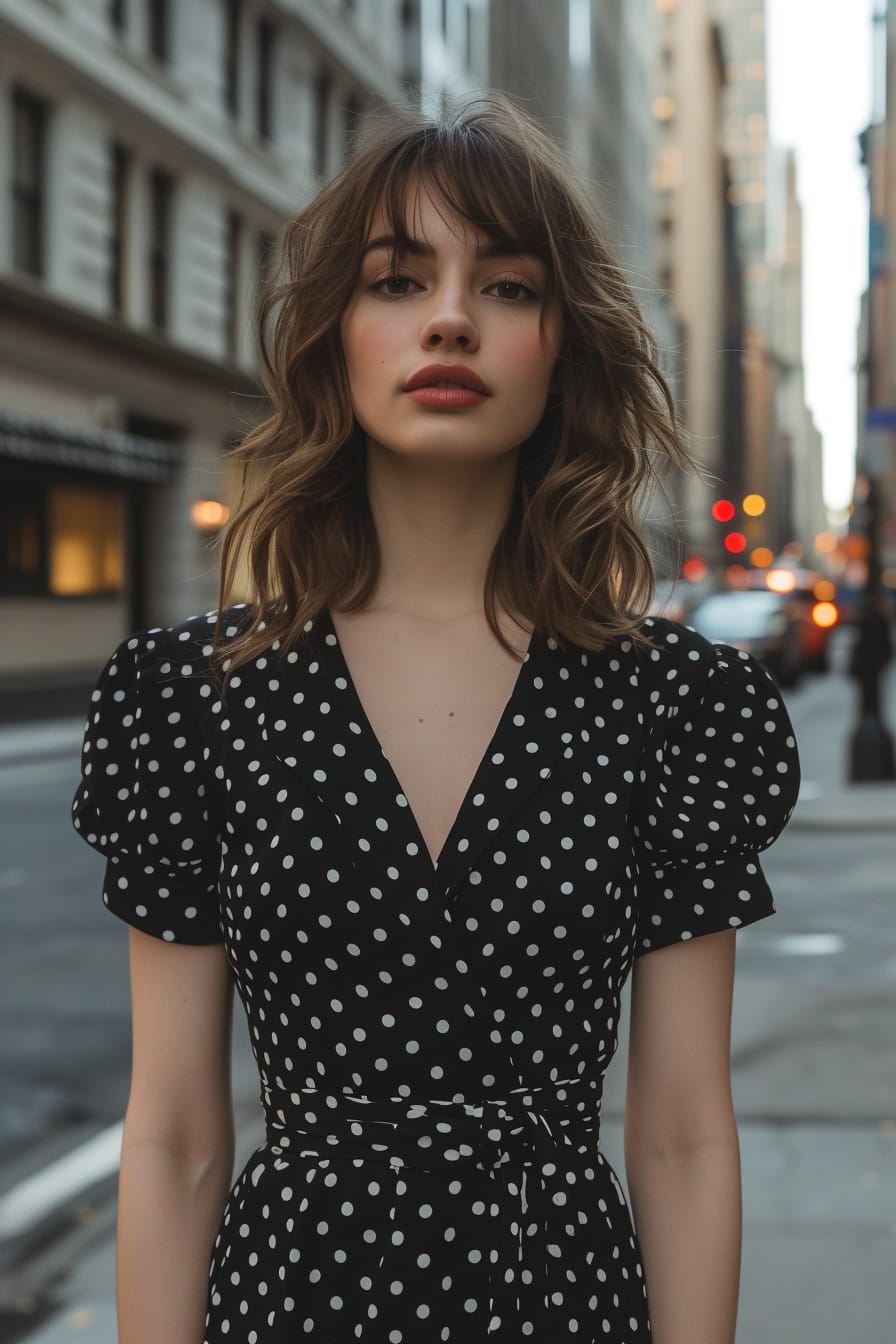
x: 814, y: 1050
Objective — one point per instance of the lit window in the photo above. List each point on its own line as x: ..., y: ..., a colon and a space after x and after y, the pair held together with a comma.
x: 663, y: 107
x: 86, y: 541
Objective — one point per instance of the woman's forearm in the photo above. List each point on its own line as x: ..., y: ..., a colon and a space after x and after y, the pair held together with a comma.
x: 169, y: 1208
x: 687, y: 1211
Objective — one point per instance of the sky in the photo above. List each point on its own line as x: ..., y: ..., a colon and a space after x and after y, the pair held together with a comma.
x: 820, y: 98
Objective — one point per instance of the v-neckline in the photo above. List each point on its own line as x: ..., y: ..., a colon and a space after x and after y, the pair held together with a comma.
x: 368, y: 728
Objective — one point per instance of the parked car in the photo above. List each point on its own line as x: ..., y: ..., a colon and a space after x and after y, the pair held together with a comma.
x: 757, y: 621
x: 813, y: 604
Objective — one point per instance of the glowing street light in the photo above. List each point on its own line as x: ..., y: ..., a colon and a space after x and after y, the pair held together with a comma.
x: 754, y: 505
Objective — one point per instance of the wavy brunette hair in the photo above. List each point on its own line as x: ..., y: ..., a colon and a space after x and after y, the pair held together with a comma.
x: 571, y: 557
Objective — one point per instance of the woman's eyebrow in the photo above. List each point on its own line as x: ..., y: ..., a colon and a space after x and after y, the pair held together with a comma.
x: 416, y: 247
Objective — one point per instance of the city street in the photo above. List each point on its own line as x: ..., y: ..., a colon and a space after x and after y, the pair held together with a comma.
x: 814, y: 1055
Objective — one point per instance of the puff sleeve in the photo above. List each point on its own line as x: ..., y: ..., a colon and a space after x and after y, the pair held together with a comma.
x: 719, y: 780
x: 143, y: 798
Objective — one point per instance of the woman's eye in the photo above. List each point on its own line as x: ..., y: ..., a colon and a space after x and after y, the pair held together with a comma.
x: 521, y: 291
x: 393, y: 280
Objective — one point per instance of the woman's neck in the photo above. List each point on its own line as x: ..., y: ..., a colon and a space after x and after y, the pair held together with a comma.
x: 437, y: 524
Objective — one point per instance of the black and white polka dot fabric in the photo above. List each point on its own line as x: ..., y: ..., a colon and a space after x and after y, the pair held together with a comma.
x: 431, y: 1039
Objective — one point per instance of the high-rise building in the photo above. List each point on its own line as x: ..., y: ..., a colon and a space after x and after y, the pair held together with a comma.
x: 529, y: 57
x: 876, y: 443
x: 610, y: 122
x: 745, y: 140
x: 693, y: 241
x: 796, y: 509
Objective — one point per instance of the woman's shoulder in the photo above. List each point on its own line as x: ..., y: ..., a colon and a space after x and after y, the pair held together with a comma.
x: 189, y: 641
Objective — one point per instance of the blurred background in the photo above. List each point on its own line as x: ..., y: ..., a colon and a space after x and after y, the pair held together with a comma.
x: 742, y: 154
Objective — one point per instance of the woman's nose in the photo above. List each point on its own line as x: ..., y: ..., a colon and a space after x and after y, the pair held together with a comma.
x: 449, y: 323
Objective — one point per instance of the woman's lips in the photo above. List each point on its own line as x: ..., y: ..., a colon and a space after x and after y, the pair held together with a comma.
x: 447, y: 397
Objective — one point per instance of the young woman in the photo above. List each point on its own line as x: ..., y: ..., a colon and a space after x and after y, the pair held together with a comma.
x: 428, y: 800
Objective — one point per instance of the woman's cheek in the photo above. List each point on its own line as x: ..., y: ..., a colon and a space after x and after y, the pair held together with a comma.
x: 530, y: 359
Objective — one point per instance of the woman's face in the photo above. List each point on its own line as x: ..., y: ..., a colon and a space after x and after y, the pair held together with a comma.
x: 452, y: 302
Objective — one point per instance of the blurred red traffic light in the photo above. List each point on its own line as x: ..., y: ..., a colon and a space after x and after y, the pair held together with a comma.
x: 723, y: 510
x: 694, y: 569
x: 735, y: 542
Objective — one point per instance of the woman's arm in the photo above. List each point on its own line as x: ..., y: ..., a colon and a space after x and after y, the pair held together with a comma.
x: 177, y: 1149
x: 682, y: 1156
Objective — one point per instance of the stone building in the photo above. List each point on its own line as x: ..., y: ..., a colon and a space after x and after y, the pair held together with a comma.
x: 152, y: 151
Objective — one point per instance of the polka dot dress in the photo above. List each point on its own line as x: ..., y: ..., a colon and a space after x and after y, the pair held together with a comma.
x: 431, y: 1039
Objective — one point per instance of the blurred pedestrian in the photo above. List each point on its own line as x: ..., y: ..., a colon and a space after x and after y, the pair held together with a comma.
x: 429, y: 798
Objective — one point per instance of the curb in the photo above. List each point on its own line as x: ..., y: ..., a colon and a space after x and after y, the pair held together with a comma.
x: 46, y: 740
x: 64, y: 1200
x: 859, y: 807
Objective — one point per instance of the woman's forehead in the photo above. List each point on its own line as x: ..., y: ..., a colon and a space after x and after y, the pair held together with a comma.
x: 422, y: 213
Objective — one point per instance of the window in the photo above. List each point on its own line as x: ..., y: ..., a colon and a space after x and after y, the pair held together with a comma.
x: 158, y: 29
x: 118, y: 15
x: 120, y: 171
x: 232, y: 286
x: 59, y: 538
x: 160, y: 193
x: 232, y: 20
x: 22, y: 527
x: 28, y: 182
x: 85, y: 530
x: 264, y: 85
x: 322, y: 86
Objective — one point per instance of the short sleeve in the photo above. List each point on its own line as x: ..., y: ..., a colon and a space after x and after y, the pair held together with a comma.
x: 718, y: 783
x: 143, y: 798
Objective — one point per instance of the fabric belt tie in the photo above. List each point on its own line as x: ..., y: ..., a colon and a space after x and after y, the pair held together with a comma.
x: 530, y: 1134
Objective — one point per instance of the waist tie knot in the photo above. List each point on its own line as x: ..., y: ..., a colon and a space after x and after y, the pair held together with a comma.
x: 524, y: 1129
x: 521, y: 1141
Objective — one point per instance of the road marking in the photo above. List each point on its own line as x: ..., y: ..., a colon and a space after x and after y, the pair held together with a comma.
x: 32, y: 1199
x: 809, y: 944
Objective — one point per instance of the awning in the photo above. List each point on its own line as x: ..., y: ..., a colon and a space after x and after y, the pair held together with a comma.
x: 104, y: 451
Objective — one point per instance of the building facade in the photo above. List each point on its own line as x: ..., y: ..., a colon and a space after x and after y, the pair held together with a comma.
x: 153, y: 152
x: 693, y: 245
x: 876, y: 441
x: 800, y: 512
